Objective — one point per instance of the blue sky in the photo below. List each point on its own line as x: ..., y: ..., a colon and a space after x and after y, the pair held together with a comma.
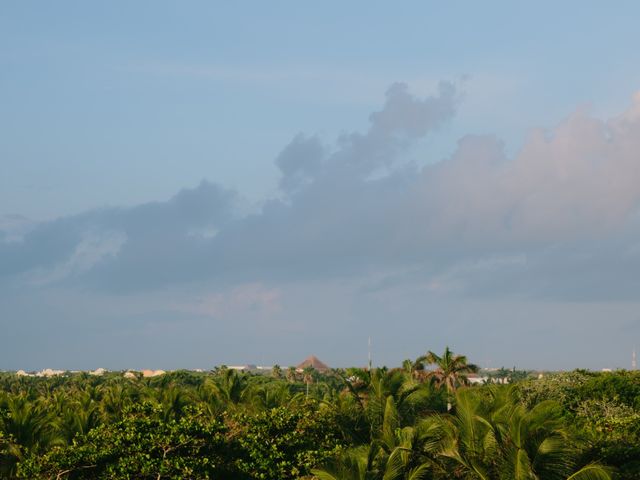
x: 184, y: 185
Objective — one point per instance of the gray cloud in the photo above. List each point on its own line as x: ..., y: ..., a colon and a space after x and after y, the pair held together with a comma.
x: 403, y: 120
x: 300, y: 162
x: 14, y: 227
x: 119, y: 247
x: 558, y: 219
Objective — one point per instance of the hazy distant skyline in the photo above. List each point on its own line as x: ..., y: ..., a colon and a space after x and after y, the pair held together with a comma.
x: 186, y: 187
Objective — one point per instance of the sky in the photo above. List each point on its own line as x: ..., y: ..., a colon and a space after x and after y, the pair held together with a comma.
x: 184, y: 185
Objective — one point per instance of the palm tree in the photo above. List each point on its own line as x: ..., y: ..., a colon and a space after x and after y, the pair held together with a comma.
x: 370, y: 389
x: 78, y: 415
x: 174, y: 401
x: 276, y: 371
x: 270, y: 395
x: 349, y: 415
x: 30, y: 427
x: 350, y: 465
x: 209, y: 397
x: 395, y: 454
x: 498, y: 438
x: 451, y: 371
x: 414, y: 368
x: 291, y: 374
x: 232, y: 386
x: 308, y: 375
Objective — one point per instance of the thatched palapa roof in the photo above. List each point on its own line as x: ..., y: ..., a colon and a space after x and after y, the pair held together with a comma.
x: 315, y: 362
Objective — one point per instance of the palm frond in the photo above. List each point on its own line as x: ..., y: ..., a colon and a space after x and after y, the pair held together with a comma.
x: 592, y: 472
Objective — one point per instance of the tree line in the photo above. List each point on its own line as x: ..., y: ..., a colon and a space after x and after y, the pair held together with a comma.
x: 411, y: 422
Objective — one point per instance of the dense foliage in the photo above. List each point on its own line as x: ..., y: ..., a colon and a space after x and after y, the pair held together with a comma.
x: 405, y: 423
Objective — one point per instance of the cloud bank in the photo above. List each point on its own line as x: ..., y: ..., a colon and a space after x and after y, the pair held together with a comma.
x: 353, y: 206
x: 558, y: 221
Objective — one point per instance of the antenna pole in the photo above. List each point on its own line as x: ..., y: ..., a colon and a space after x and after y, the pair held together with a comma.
x: 369, y: 353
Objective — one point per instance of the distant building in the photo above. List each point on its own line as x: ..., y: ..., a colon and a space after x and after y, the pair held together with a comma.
x: 152, y: 373
x: 315, y: 362
x: 475, y: 379
x: 98, y: 372
x: 47, y: 372
x: 129, y: 374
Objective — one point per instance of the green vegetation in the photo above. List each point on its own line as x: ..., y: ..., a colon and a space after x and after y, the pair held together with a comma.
x: 412, y: 422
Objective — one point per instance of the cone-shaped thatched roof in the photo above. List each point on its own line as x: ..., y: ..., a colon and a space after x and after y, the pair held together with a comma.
x: 313, y: 361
